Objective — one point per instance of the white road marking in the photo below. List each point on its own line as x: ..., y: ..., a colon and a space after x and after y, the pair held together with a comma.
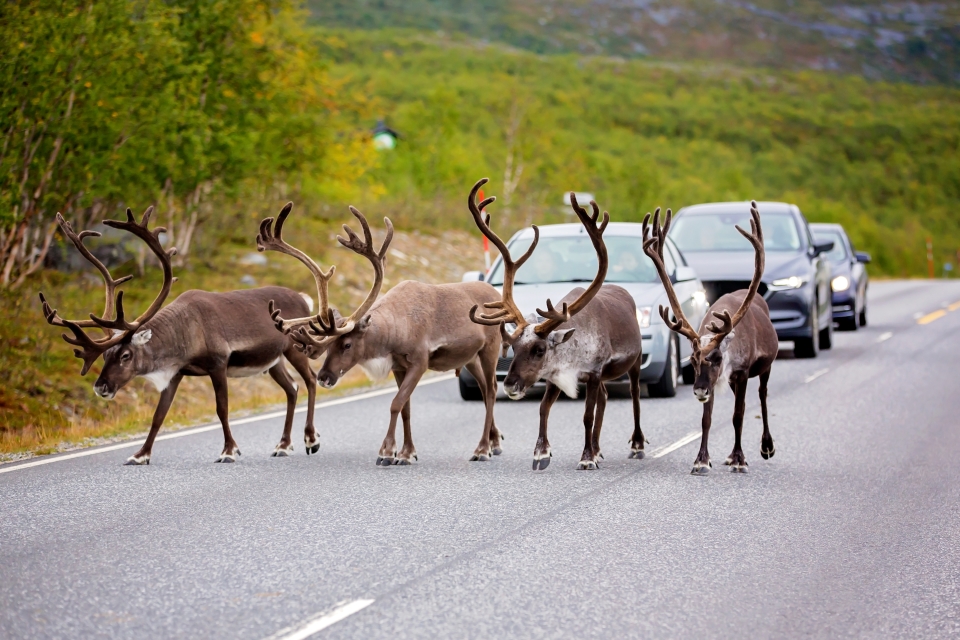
x: 687, y: 439
x: 319, y: 624
x: 885, y: 336
x: 918, y: 315
x: 816, y: 375
x: 215, y: 426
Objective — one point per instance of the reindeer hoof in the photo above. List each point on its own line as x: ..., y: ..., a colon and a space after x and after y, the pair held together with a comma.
x: 539, y: 464
x: 768, y: 453
x: 480, y: 457
x: 384, y: 462
x: 497, y: 451
x: 637, y: 454
x: 738, y: 468
x: 586, y: 465
x: 226, y: 457
x: 135, y: 461
x: 282, y: 452
x: 701, y: 468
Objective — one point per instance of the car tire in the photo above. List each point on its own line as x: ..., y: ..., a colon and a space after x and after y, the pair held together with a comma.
x: 666, y: 386
x: 826, y: 335
x: 847, y: 324
x: 469, y: 392
x: 863, y: 316
x: 689, y: 375
x: 809, y: 347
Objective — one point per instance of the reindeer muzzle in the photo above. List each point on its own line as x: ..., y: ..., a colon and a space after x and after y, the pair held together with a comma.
x: 703, y: 395
x: 104, y: 391
x: 327, y: 380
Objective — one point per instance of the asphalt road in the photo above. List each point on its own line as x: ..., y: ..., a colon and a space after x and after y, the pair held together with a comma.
x: 852, y: 529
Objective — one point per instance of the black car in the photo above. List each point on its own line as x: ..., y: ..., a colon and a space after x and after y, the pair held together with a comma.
x: 796, y: 279
x: 849, y: 283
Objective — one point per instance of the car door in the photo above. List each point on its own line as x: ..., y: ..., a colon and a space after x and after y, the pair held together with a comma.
x: 822, y: 273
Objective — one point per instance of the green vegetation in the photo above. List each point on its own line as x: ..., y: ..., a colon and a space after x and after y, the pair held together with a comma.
x: 882, y: 159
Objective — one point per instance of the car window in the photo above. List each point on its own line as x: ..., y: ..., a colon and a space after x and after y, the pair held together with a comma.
x: 717, y: 232
x: 573, y: 259
x: 839, y: 251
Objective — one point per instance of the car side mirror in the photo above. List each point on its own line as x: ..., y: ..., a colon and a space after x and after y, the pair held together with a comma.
x: 863, y: 256
x: 822, y: 247
x: 472, y: 276
x: 683, y: 274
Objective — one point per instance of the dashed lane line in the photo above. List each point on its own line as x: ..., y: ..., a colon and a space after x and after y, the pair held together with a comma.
x: 885, y: 336
x: 214, y: 426
x: 954, y: 306
x: 930, y: 317
x: 815, y: 375
x: 670, y: 448
x: 318, y: 624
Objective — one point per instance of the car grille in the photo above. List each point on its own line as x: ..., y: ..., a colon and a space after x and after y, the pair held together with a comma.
x: 717, y: 288
x: 503, y: 364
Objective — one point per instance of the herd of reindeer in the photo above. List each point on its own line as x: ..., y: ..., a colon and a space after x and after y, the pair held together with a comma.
x: 590, y: 338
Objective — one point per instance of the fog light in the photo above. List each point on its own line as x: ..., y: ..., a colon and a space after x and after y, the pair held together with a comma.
x: 840, y: 283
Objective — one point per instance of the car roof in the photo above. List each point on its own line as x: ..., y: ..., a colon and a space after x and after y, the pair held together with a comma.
x: 737, y: 207
x: 573, y: 229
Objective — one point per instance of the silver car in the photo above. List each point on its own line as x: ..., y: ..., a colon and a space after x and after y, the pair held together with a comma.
x: 565, y: 258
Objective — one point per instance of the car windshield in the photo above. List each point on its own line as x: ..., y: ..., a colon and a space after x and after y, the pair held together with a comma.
x: 839, y: 251
x: 573, y: 259
x: 716, y: 232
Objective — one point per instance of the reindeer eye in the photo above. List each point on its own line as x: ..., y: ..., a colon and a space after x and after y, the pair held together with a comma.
x: 346, y: 346
x: 124, y: 356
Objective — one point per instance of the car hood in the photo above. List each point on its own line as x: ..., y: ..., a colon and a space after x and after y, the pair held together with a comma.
x: 530, y: 296
x: 738, y: 265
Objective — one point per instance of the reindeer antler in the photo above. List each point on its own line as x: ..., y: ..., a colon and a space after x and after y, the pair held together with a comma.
x: 313, y: 334
x: 117, y: 329
x: 555, y: 318
x: 653, y: 247
x: 270, y: 238
x: 505, y: 310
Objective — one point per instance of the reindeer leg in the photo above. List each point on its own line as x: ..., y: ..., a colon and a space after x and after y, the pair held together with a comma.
x: 766, y: 441
x: 484, y: 451
x: 736, y: 459
x: 598, y: 422
x: 279, y: 374
x: 488, y: 362
x: 637, y: 440
x: 166, y: 399
x: 407, y: 382
x: 301, y: 363
x: 701, y: 466
x: 541, y: 452
x: 230, y: 449
x: 588, y: 458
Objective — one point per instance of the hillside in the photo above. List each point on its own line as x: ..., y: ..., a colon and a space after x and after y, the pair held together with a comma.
x: 883, y: 159
x: 907, y: 41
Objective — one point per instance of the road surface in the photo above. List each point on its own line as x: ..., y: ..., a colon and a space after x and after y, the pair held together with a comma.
x: 852, y: 529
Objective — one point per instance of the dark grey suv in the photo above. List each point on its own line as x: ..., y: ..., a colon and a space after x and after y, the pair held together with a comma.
x: 796, y: 280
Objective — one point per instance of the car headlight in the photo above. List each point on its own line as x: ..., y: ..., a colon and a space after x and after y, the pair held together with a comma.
x: 643, y: 317
x: 793, y: 282
x: 840, y: 283
x: 699, y: 297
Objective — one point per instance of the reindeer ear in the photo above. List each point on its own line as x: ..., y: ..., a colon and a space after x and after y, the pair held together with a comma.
x: 726, y: 343
x: 364, y: 324
x: 141, y: 338
x: 559, y: 337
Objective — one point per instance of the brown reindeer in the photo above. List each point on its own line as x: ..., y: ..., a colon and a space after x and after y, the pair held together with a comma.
x: 720, y: 354
x: 581, y: 343
x: 220, y: 335
x: 414, y: 327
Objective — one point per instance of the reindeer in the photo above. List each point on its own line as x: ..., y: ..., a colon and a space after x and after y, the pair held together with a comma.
x: 220, y: 335
x: 720, y: 354
x: 581, y: 343
x: 414, y: 327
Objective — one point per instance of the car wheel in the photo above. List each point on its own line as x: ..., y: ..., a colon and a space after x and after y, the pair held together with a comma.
x: 666, y: 386
x: 469, y: 392
x: 689, y: 375
x: 863, y: 316
x: 826, y: 335
x: 847, y: 324
x: 809, y: 347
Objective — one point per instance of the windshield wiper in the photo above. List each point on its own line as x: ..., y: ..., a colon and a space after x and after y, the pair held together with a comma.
x: 575, y: 280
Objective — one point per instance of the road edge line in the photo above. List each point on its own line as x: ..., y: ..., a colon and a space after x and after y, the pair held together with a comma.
x: 13, y: 466
x: 670, y: 448
x: 325, y: 620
